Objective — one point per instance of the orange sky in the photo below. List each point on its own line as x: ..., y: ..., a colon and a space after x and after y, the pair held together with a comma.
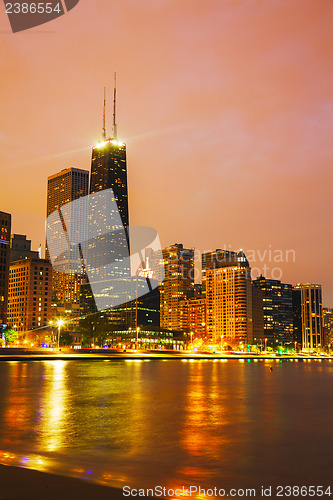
x: 226, y: 107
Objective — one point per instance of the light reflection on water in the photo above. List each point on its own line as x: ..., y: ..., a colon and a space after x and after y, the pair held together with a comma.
x: 172, y: 424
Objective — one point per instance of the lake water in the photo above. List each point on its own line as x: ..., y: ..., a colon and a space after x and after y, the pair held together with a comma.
x: 171, y: 423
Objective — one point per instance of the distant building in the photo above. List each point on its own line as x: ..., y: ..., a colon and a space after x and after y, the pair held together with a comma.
x: 229, y: 301
x: 297, y: 317
x: 5, y: 228
x: 278, y: 311
x: 62, y: 188
x: 30, y: 293
x: 258, y: 317
x: 311, y: 315
x: 20, y: 248
x: 328, y: 327
x: 178, y: 283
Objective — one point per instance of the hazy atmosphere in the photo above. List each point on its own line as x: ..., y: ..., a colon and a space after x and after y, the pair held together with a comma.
x: 226, y: 108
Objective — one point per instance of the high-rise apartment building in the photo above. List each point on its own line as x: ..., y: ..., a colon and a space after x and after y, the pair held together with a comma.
x: 310, y: 306
x: 328, y: 327
x: 178, y: 283
x: 63, y: 188
x: 229, y: 302
x: 297, y: 316
x: 215, y: 260
x: 278, y: 311
x: 257, y: 317
x: 5, y: 228
x: 30, y: 293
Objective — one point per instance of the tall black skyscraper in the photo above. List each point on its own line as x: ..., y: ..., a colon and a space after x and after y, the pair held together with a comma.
x: 109, y: 167
x: 108, y: 267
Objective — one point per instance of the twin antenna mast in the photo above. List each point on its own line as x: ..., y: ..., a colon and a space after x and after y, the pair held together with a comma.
x: 114, y: 126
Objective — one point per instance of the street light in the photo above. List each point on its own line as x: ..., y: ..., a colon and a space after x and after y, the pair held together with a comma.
x: 265, y: 345
x: 295, y: 347
x: 137, y: 337
x: 59, y: 323
x: 191, y: 339
x: 221, y: 342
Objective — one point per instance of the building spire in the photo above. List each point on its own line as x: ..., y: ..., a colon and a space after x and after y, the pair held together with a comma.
x: 104, y: 129
x: 114, y: 129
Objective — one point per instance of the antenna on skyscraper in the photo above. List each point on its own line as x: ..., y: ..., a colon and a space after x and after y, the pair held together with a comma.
x: 104, y: 129
x: 114, y: 130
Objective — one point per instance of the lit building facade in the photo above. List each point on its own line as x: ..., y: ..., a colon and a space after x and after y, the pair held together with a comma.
x: 311, y: 308
x: 257, y: 317
x: 328, y: 327
x: 215, y: 260
x: 30, y: 293
x: 62, y: 188
x: 178, y: 283
x: 5, y: 228
x: 193, y: 317
x: 277, y: 311
x: 229, y: 302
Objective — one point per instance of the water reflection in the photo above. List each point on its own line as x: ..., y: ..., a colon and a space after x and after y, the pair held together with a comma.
x: 174, y: 424
x: 52, y: 425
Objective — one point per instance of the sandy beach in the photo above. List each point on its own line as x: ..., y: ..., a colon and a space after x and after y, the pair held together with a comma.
x: 25, y: 484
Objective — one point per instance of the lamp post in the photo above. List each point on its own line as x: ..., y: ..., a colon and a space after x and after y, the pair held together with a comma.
x: 51, y: 324
x: 265, y: 345
x: 137, y: 337
x: 295, y: 347
x: 221, y: 342
x: 59, y: 323
x: 191, y: 339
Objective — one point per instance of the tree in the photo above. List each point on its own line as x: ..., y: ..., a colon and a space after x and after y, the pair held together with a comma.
x: 10, y: 334
x: 66, y: 339
x: 95, y: 329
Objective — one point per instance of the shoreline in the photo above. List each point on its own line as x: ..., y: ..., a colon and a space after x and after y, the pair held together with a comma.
x: 18, y: 483
x: 17, y: 354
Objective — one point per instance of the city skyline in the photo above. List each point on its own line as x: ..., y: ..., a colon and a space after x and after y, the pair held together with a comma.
x: 226, y: 145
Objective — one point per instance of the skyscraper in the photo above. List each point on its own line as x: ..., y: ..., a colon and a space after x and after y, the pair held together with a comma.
x: 328, y: 327
x: 108, y: 171
x: 109, y: 167
x: 258, y: 316
x: 214, y: 260
x: 278, y: 310
x: 5, y: 228
x: 177, y: 285
x: 63, y: 188
x: 229, y: 301
x: 311, y: 315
